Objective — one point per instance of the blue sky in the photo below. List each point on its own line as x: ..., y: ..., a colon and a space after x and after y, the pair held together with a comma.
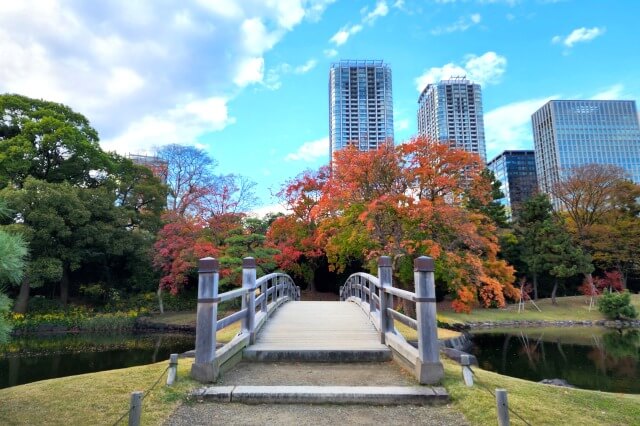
x: 247, y: 79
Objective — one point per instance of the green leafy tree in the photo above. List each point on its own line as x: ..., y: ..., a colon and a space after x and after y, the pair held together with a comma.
x: 617, y: 305
x: 547, y: 247
x: 48, y: 141
x: 535, y: 213
x: 13, y: 253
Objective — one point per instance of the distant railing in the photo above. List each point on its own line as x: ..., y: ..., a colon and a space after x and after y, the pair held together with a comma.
x: 375, y: 296
x: 274, y: 290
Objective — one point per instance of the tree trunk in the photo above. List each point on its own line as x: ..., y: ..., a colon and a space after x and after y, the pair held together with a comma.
x: 160, y: 304
x: 553, y: 292
x: 535, y: 286
x: 64, y: 286
x: 22, y: 301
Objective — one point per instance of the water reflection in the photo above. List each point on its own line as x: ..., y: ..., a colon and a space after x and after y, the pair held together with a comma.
x: 587, y: 358
x: 28, y: 359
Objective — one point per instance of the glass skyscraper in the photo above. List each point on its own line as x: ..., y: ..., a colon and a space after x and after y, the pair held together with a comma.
x: 516, y: 170
x: 360, y: 105
x: 450, y: 112
x: 572, y: 133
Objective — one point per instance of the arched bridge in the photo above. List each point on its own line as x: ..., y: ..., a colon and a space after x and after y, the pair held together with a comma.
x: 277, y: 326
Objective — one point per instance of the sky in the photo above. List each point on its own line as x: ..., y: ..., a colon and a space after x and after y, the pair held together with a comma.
x: 247, y: 80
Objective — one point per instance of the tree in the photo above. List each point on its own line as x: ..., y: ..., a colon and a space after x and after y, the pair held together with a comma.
x: 546, y: 246
x: 492, y: 209
x: 13, y: 253
x: 413, y: 200
x: 602, y: 211
x: 189, y: 177
x: 294, y: 234
x: 535, y: 212
x: 47, y: 141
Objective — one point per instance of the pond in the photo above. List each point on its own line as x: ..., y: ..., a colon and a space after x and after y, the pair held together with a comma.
x: 33, y: 358
x: 588, y: 358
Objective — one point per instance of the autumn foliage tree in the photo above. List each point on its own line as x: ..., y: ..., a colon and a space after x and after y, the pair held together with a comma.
x: 603, y: 213
x: 412, y: 200
x: 294, y: 235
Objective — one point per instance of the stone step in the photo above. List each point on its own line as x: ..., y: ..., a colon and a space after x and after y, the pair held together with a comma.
x: 313, y: 354
x: 370, y: 395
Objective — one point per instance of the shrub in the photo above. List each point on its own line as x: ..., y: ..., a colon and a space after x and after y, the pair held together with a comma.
x: 617, y: 305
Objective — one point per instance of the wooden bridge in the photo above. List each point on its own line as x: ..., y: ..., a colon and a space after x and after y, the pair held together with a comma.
x: 277, y: 326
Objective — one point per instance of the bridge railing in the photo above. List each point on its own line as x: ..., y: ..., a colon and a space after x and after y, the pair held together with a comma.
x: 273, y: 290
x: 375, y: 296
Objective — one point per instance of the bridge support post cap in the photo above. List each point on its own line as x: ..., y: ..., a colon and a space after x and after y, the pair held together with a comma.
x: 384, y: 261
x: 424, y: 264
x: 208, y: 264
x: 248, y: 262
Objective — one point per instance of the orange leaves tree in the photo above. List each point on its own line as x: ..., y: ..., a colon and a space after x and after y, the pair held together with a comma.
x: 412, y: 200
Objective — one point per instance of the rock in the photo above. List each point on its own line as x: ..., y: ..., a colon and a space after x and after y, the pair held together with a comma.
x: 556, y: 382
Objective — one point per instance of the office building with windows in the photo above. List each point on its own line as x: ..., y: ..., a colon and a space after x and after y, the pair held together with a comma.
x: 450, y: 112
x: 516, y: 171
x: 571, y: 133
x: 360, y: 105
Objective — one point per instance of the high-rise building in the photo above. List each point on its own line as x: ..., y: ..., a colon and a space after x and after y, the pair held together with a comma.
x: 572, y: 133
x: 516, y: 170
x: 450, y: 112
x: 360, y: 105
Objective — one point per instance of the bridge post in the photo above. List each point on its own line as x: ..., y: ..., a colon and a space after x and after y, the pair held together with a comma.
x: 249, y: 300
x: 205, y: 367
x: 372, y: 302
x: 429, y: 369
x: 263, y: 290
x: 385, y: 274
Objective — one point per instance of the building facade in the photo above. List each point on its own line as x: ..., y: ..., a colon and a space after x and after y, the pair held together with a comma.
x: 516, y: 170
x: 570, y: 133
x: 451, y: 112
x: 360, y: 105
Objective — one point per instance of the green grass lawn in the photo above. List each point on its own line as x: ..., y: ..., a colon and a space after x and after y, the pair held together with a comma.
x: 100, y: 398
x: 95, y: 398
x: 568, y: 308
x: 536, y: 403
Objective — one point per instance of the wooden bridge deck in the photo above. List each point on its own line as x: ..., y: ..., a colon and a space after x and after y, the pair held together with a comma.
x: 318, y: 331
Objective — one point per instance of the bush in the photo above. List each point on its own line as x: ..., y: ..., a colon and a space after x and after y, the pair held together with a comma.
x: 616, y: 305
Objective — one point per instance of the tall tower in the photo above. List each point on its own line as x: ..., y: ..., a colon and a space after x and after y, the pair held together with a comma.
x: 451, y: 112
x: 570, y: 133
x: 360, y: 105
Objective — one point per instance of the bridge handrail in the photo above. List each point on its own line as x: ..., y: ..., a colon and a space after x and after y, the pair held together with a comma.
x: 279, y: 287
x: 375, y: 297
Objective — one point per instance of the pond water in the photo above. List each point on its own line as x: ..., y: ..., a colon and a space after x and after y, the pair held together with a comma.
x: 588, y: 358
x: 33, y: 358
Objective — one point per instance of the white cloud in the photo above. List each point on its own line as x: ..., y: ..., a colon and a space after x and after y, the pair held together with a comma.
x: 380, y: 10
x: 579, y: 35
x: 310, y: 151
x: 509, y: 126
x: 344, y: 33
x: 139, y: 67
x: 250, y: 70
x: 462, y: 24
x: 368, y: 18
x: 402, y: 124
x: 306, y: 67
x: 182, y: 124
x: 265, y: 210
x: 330, y: 53
x: 611, y: 93
x: 485, y: 69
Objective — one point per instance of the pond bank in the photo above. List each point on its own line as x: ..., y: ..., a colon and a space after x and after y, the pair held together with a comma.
x: 618, y: 324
